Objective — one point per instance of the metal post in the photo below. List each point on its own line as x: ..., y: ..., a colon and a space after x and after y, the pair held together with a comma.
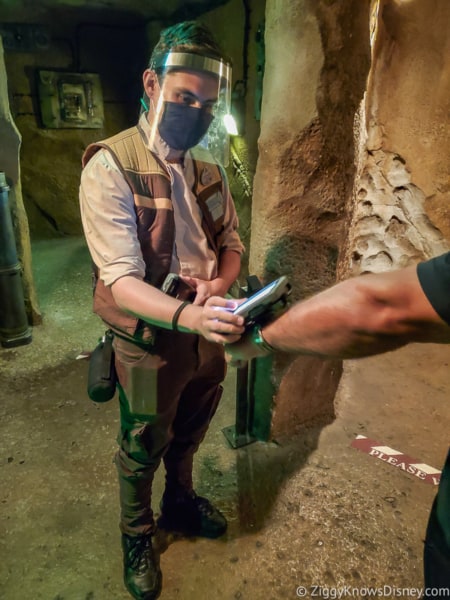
x: 14, y: 329
x: 240, y: 434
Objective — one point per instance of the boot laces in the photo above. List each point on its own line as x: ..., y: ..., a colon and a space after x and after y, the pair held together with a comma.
x: 141, y: 553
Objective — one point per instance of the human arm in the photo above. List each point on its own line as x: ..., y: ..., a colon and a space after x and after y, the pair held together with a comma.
x: 362, y: 316
x: 150, y: 304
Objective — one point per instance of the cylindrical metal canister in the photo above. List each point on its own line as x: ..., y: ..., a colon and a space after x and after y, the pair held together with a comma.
x: 14, y: 329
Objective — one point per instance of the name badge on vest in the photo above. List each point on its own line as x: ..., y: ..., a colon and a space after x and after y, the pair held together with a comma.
x: 215, y: 205
x: 206, y: 176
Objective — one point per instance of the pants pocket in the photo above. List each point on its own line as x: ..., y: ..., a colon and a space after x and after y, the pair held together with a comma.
x: 137, y: 371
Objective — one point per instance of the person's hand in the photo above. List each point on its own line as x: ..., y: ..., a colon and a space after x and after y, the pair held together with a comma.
x: 240, y: 352
x: 217, y: 323
x: 206, y: 289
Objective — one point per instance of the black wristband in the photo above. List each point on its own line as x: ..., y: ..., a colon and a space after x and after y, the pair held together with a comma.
x: 177, y: 313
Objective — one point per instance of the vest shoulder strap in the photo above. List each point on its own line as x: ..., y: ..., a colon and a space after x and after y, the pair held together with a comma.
x: 129, y: 152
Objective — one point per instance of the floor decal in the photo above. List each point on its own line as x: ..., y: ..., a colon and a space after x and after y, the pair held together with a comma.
x: 397, y: 459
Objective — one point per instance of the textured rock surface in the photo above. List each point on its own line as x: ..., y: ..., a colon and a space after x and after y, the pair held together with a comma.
x: 353, y: 166
x: 317, y: 64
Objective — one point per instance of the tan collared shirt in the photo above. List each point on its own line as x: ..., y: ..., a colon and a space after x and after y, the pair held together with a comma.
x: 109, y: 219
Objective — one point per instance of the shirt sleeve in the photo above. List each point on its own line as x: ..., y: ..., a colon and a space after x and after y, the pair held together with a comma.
x: 109, y: 220
x: 434, y: 277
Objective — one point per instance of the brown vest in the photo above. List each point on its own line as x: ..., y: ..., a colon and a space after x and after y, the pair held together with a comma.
x: 149, y: 182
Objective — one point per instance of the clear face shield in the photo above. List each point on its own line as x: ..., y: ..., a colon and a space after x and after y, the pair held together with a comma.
x: 190, y: 110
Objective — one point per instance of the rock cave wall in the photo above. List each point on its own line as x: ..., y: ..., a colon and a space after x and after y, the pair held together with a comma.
x: 318, y: 58
x: 353, y: 166
x: 400, y: 206
x: 80, y: 42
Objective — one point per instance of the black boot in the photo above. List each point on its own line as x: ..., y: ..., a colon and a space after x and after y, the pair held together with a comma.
x: 141, y: 572
x: 191, y: 515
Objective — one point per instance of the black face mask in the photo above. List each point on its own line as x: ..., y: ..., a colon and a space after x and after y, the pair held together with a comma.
x: 182, y: 126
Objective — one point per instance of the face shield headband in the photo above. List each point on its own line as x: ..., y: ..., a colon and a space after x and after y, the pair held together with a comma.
x: 197, y: 62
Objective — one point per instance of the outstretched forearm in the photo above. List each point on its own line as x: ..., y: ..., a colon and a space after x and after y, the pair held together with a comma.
x: 366, y: 315
x: 360, y: 317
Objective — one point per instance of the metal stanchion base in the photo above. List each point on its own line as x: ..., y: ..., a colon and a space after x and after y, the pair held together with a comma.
x: 237, y: 440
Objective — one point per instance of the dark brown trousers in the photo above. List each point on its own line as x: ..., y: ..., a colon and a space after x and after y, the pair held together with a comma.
x: 167, y: 400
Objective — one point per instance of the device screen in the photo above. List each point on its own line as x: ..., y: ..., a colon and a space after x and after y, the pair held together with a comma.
x: 267, y: 296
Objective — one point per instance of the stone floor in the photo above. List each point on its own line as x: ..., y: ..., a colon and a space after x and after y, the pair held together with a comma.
x: 308, y: 517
